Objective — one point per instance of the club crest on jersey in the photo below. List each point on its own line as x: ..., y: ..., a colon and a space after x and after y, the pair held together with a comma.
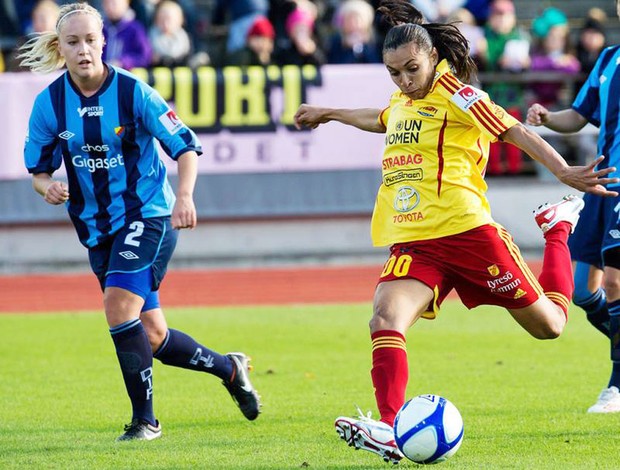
x: 90, y: 111
x: 465, y: 97
x: 120, y: 131
x: 428, y: 111
x: 171, y: 122
x: 493, y: 270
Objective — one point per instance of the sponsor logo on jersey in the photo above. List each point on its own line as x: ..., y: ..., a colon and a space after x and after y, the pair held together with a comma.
x: 93, y: 164
x: 493, y: 270
x: 90, y: 111
x: 95, y: 148
x: 502, y: 284
x: 428, y: 111
x: 399, y: 176
x: 402, y: 160
x: 66, y: 135
x: 406, y: 132
x: 466, y: 96
x: 406, y: 199
x: 171, y: 122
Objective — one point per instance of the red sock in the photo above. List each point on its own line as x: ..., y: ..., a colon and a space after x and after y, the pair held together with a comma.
x: 390, y: 372
x: 556, y: 277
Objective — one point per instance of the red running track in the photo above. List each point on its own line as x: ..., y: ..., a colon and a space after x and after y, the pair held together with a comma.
x: 184, y: 288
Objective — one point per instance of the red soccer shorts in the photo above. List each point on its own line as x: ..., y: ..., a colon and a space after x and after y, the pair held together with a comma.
x: 483, y: 265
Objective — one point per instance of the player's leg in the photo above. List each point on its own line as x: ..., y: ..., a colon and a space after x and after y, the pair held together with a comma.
x: 590, y: 296
x: 546, y: 318
x: 175, y: 348
x: 397, y: 306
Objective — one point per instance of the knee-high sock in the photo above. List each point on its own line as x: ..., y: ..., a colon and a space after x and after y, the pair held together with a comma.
x: 180, y: 350
x: 614, y: 338
x: 136, y: 360
x: 595, y: 307
x: 390, y: 372
x: 556, y: 277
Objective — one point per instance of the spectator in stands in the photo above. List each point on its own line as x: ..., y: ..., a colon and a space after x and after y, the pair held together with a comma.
x: 591, y: 41
x: 259, y: 45
x: 169, y: 40
x: 480, y: 10
x: 43, y: 18
x: 239, y: 16
x: 121, y: 202
x: 466, y: 23
x: 552, y: 54
x: 508, y: 51
x: 127, y: 44
x: 353, y: 40
x: 437, y: 11
x: 300, y: 46
x: 452, y: 241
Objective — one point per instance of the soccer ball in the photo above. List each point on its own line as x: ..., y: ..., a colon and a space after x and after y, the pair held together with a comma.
x: 428, y: 429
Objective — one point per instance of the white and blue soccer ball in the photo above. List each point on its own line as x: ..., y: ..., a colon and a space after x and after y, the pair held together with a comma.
x: 428, y: 429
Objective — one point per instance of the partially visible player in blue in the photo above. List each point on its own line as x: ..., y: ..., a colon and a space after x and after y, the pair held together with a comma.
x: 595, y: 244
x: 102, y: 122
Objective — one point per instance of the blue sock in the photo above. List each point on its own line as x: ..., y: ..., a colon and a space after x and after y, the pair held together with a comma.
x: 595, y: 306
x: 614, y: 336
x: 136, y: 360
x: 180, y: 350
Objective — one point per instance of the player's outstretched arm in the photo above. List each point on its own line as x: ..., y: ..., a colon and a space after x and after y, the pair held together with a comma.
x: 583, y: 178
x: 53, y: 191
x: 564, y: 121
x: 366, y: 119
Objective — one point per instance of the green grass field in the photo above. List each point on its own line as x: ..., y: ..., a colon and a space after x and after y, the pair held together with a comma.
x: 523, y: 401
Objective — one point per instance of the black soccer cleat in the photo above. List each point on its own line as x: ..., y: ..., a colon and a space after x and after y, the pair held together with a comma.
x: 139, y: 430
x: 240, y: 387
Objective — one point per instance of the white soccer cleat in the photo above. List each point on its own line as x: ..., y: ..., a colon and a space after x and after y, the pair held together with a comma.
x: 567, y: 210
x: 369, y: 434
x: 608, y: 401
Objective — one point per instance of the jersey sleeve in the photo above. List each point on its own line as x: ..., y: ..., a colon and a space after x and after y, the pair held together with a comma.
x: 587, y: 102
x: 163, y: 123
x: 41, y: 150
x: 475, y: 106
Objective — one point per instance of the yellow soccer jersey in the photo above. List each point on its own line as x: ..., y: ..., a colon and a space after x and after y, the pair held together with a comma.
x: 436, y: 151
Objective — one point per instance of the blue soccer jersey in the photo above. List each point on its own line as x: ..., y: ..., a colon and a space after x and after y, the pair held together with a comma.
x: 107, y: 143
x: 599, y: 102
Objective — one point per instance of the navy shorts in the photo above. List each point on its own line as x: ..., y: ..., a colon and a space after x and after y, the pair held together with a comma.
x: 597, y: 231
x: 139, y: 245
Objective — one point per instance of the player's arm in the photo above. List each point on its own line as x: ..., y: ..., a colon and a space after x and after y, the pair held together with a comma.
x: 366, y: 119
x: 564, y: 121
x: 53, y: 191
x: 584, y: 178
x: 184, y: 212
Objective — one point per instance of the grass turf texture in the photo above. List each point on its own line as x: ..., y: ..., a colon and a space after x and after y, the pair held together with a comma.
x: 523, y: 401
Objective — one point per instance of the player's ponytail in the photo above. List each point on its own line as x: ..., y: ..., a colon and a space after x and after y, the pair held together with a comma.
x: 408, y: 26
x: 40, y: 54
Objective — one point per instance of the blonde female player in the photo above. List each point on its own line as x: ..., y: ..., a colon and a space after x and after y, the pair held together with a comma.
x: 432, y: 210
x: 102, y: 122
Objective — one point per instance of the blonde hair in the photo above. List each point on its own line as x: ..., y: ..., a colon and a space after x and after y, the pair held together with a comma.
x: 40, y: 54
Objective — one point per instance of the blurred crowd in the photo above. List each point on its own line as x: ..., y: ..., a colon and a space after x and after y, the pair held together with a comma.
x: 148, y: 33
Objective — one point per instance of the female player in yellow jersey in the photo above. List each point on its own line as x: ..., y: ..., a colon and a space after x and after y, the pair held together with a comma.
x: 432, y: 210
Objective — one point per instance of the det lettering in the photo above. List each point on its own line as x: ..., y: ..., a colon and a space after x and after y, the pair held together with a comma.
x: 93, y: 164
x: 407, y: 132
x: 147, y: 377
x: 402, y: 160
